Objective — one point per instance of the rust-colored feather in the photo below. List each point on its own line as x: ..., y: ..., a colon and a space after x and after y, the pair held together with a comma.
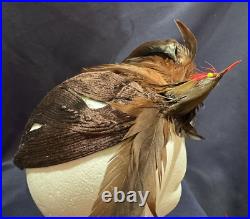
x: 135, y: 107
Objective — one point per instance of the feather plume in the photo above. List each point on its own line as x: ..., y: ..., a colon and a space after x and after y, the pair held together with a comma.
x: 134, y: 166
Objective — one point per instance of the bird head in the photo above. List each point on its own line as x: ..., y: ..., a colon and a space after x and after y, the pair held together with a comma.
x: 182, y: 89
x: 188, y: 88
x: 187, y: 95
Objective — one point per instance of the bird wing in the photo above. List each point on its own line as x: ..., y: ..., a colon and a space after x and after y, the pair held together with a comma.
x: 64, y: 126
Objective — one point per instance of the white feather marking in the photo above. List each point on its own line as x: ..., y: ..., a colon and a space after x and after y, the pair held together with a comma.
x: 35, y: 126
x: 93, y: 104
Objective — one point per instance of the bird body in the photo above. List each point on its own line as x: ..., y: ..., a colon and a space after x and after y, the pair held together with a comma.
x: 136, y: 114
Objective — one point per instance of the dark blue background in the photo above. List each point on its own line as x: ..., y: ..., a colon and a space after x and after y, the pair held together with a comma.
x: 46, y: 43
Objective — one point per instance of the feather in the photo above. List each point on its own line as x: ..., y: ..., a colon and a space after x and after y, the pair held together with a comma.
x: 134, y: 166
x: 135, y: 107
x: 188, y: 37
x: 192, y: 132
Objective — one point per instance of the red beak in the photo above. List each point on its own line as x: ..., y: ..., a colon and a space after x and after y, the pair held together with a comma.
x: 230, y: 67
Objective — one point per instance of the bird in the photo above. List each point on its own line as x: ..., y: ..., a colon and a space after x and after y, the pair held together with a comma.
x: 129, y: 119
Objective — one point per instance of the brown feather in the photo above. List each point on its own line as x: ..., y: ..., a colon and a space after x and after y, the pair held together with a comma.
x: 135, y: 107
x: 134, y: 166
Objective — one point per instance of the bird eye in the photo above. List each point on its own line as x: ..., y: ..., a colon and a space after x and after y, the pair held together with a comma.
x: 210, y: 75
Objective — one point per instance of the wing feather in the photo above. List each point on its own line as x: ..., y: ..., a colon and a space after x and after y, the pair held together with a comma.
x: 69, y: 129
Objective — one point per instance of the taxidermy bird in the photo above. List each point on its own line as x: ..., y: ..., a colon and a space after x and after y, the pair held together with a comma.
x: 117, y: 127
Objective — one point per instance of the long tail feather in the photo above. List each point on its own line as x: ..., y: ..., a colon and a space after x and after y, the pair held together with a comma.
x: 135, y: 165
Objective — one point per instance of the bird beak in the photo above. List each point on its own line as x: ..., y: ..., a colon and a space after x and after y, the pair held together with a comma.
x: 192, y: 93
